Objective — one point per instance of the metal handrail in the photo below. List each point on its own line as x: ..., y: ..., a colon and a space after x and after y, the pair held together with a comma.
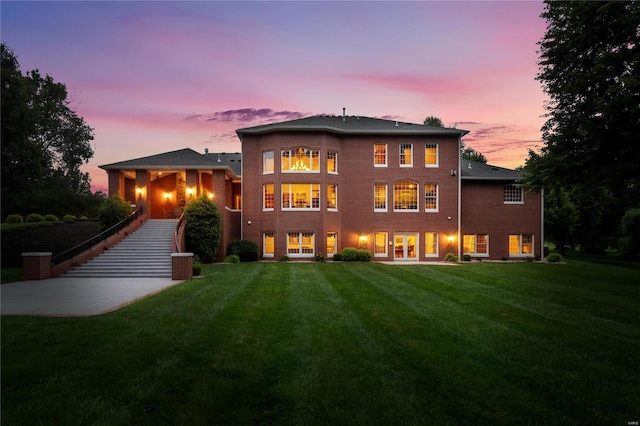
x: 86, y: 245
x: 176, y: 232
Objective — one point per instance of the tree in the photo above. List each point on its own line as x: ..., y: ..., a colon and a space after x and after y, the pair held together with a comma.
x: 471, y: 154
x: 203, y: 229
x: 432, y: 120
x: 44, y: 142
x: 590, y: 69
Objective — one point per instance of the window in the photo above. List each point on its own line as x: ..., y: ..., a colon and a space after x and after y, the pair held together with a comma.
x: 521, y: 245
x: 431, y: 155
x: 300, y: 196
x: 268, y: 196
x: 332, y: 244
x: 405, y: 196
x: 430, y: 198
x: 380, y: 197
x: 513, y: 194
x: 476, y: 244
x: 431, y: 244
x: 406, y: 155
x: 332, y: 197
x: 300, y: 244
x: 332, y: 162
x: 301, y: 160
x: 380, y: 155
x: 267, y: 162
x: 380, y: 244
x: 268, y: 244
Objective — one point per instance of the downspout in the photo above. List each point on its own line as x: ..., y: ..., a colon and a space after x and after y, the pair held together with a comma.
x: 459, y: 197
x: 542, y: 224
x: 241, y: 192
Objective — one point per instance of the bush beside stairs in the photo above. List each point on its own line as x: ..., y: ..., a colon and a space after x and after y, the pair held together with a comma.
x: 146, y: 253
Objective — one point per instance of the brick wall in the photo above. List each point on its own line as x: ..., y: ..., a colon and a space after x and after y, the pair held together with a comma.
x: 54, y: 237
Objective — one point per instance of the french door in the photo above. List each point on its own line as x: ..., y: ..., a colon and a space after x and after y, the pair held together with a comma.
x: 405, y: 246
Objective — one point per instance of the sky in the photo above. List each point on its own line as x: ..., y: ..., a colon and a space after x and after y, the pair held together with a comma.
x: 156, y: 76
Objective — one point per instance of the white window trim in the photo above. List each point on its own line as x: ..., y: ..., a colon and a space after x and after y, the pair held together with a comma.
x: 514, y: 202
x: 386, y: 155
x: 336, y: 161
x: 386, y: 200
x: 264, y: 245
x: 299, y: 254
x: 304, y: 209
x: 386, y: 245
x: 292, y: 154
x: 410, y: 164
x: 333, y: 209
x: 417, y: 209
x: 437, y: 209
x: 432, y: 166
x: 264, y: 193
x: 524, y: 255
x: 330, y: 255
x: 437, y: 253
x: 264, y: 163
x: 475, y: 246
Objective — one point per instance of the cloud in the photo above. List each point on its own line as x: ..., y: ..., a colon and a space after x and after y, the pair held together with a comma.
x: 414, y: 83
x: 247, y: 115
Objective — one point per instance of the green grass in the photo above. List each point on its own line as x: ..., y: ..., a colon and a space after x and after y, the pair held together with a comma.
x: 10, y: 275
x: 342, y: 343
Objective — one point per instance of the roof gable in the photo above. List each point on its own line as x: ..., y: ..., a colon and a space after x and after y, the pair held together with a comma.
x: 183, y: 158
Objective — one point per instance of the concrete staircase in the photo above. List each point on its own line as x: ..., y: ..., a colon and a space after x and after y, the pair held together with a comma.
x: 146, y: 253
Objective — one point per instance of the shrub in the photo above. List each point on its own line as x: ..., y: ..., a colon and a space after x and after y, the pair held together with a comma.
x: 14, y: 218
x: 364, y: 255
x: 83, y: 218
x: 349, y: 254
x: 337, y: 257
x: 69, y: 218
x: 51, y: 218
x: 554, y: 258
x: 466, y: 258
x: 284, y: 258
x: 35, y: 217
x: 202, y: 232
x: 450, y: 257
x: 196, y: 266
x: 629, y: 243
x: 246, y: 250
x: 113, y: 210
x: 232, y: 258
x: 319, y: 257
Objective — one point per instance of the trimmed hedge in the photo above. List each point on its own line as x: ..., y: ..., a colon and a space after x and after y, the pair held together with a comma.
x: 14, y: 218
x: 51, y: 218
x: 246, y: 250
x: 34, y: 218
x: 350, y: 254
x: 554, y: 258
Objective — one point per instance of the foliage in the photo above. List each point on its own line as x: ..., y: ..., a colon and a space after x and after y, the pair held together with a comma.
x: 203, y: 230
x: 350, y: 254
x: 113, y: 210
x: 554, y: 258
x: 465, y: 258
x: 44, y: 143
x: 51, y: 218
x: 590, y: 69
x: 196, y: 266
x: 69, y: 218
x: 35, y: 217
x: 364, y: 255
x: 284, y: 258
x: 246, y: 250
x: 470, y: 154
x: 14, y: 218
x: 432, y: 120
x: 629, y: 243
x: 450, y: 257
x: 337, y: 257
x: 319, y: 257
x: 232, y: 258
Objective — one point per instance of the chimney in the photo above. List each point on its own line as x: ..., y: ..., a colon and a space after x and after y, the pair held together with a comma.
x: 344, y: 114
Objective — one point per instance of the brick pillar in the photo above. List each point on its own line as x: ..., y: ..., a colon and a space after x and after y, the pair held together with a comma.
x: 181, y: 266
x: 36, y: 266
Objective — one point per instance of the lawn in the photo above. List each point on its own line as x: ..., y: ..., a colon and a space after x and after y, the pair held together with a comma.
x: 342, y: 343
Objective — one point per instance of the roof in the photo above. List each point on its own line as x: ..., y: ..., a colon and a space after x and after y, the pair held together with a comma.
x: 182, y: 159
x: 351, y: 125
x: 473, y: 170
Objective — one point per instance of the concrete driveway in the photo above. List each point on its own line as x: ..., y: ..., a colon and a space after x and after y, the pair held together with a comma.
x: 66, y: 296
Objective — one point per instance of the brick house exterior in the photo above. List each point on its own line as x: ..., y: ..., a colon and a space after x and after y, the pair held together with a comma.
x: 319, y: 184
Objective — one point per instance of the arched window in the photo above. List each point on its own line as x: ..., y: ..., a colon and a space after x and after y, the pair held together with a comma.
x: 405, y: 196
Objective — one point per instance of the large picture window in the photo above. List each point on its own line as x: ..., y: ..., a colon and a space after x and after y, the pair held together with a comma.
x: 332, y: 197
x: 406, y: 155
x: 268, y: 244
x: 380, y: 197
x: 297, y: 196
x: 332, y: 162
x: 477, y: 244
x: 268, y: 196
x: 431, y: 244
x: 380, y: 244
x: 300, y: 244
x: 380, y: 155
x: 513, y: 194
x: 301, y: 160
x: 431, y: 155
x: 430, y: 198
x: 267, y: 162
x: 521, y: 245
x: 405, y: 196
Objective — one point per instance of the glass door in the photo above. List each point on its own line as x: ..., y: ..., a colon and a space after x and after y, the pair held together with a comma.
x: 406, y: 246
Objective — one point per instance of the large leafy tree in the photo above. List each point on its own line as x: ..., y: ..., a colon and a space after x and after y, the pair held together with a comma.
x: 44, y: 143
x: 590, y: 69
x: 466, y: 152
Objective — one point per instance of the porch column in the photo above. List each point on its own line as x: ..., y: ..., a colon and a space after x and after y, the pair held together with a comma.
x: 143, y: 181
x: 116, y: 182
x: 36, y: 266
x: 193, y: 189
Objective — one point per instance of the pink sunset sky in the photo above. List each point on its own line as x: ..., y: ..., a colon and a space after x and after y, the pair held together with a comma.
x: 152, y: 77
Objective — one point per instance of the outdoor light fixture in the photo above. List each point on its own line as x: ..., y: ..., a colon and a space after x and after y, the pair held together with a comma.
x: 167, y: 196
x: 190, y: 192
x: 210, y: 195
x: 451, y: 238
x: 139, y: 191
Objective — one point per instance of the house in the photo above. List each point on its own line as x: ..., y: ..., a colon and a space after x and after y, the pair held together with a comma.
x: 319, y: 184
